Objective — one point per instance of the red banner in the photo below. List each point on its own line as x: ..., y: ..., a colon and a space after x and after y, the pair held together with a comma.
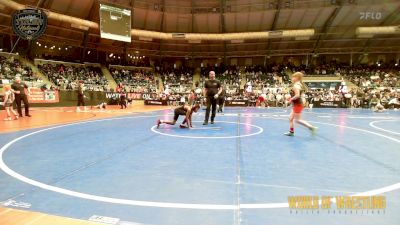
x: 39, y: 96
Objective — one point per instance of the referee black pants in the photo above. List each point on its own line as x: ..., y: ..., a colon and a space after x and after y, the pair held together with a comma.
x: 221, y: 102
x: 211, y: 102
x: 22, y: 98
x: 122, y: 102
x: 81, y: 100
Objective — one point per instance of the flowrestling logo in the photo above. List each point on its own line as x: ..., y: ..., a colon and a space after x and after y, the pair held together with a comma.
x: 29, y: 24
x: 368, y: 15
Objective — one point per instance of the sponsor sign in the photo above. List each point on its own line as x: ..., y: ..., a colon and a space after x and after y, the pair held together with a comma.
x: 134, y: 96
x: 155, y: 102
x: 327, y: 104
x: 236, y: 103
x: 39, y: 96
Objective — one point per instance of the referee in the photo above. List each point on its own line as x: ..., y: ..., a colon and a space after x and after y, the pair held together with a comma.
x: 212, y: 90
x: 20, y: 95
x: 81, y: 96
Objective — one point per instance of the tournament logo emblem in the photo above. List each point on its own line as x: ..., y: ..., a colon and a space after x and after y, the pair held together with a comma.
x: 29, y: 24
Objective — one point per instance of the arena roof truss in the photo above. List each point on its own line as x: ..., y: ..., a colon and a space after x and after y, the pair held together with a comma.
x: 221, y: 28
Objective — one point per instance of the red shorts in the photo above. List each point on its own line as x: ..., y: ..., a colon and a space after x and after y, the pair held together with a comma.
x: 298, y: 108
x: 261, y: 99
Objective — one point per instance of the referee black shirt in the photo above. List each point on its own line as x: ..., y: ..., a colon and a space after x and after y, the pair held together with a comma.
x: 19, y: 87
x: 212, y: 87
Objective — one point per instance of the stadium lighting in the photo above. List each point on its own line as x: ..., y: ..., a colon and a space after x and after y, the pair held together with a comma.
x: 66, y: 49
x: 396, y: 64
x: 1, y: 49
x: 88, y: 52
x: 45, y: 46
x: 59, y: 48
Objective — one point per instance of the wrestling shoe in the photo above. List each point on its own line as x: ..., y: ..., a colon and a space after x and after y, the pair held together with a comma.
x: 158, y: 123
x: 205, y: 123
x: 313, y: 130
x: 291, y: 134
x: 212, y: 121
x: 183, y: 126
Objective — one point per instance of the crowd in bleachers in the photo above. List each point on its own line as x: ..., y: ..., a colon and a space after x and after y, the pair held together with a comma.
x: 138, y: 81
x: 68, y: 77
x: 10, y: 67
x: 372, y: 77
x: 375, y: 84
x: 376, y: 75
x: 230, y: 77
x: 177, y: 80
x: 131, y: 60
x: 260, y: 77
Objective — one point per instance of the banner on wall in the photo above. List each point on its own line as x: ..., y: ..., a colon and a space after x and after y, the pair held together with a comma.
x: 236, y: 103
x: 327, y: 104
x: 134, y: 96
x: 47, y: 96
x: 155, y: 102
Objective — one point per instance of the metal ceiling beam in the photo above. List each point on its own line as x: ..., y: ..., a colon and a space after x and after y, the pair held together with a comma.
x: 392, y: 15
x: 367, y: 44
x: 126, y: 45
x: 192, y: 30
x: 222, y: 8
x: 326, y: 26
x: 162, y: 26
x: 275, y: 21
x: 44, y: 3
x: 86, y: 32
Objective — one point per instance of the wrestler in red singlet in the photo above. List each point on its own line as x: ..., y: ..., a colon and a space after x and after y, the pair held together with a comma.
x: 295, y: 115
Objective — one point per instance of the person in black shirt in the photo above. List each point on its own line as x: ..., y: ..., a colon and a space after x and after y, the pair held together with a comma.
x: 81, y: 97
x: 122, y: 96
x: 212, y: 90
x: 221, y: 100
x: 20, y: 96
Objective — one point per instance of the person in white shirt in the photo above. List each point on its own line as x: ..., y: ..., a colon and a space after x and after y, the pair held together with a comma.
x: 183, y: 100
x: 287, y: 97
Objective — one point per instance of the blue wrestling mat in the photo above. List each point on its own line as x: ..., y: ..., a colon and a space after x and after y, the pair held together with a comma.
x: 240, y: 170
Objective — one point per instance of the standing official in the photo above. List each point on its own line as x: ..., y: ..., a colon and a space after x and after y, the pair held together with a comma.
x: 20, y: 95
x: 212, y: 90
x: 81, y: 96
x: 221, y: 101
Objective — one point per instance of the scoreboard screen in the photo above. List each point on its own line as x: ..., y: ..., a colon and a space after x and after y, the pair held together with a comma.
x: 115, y: 23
